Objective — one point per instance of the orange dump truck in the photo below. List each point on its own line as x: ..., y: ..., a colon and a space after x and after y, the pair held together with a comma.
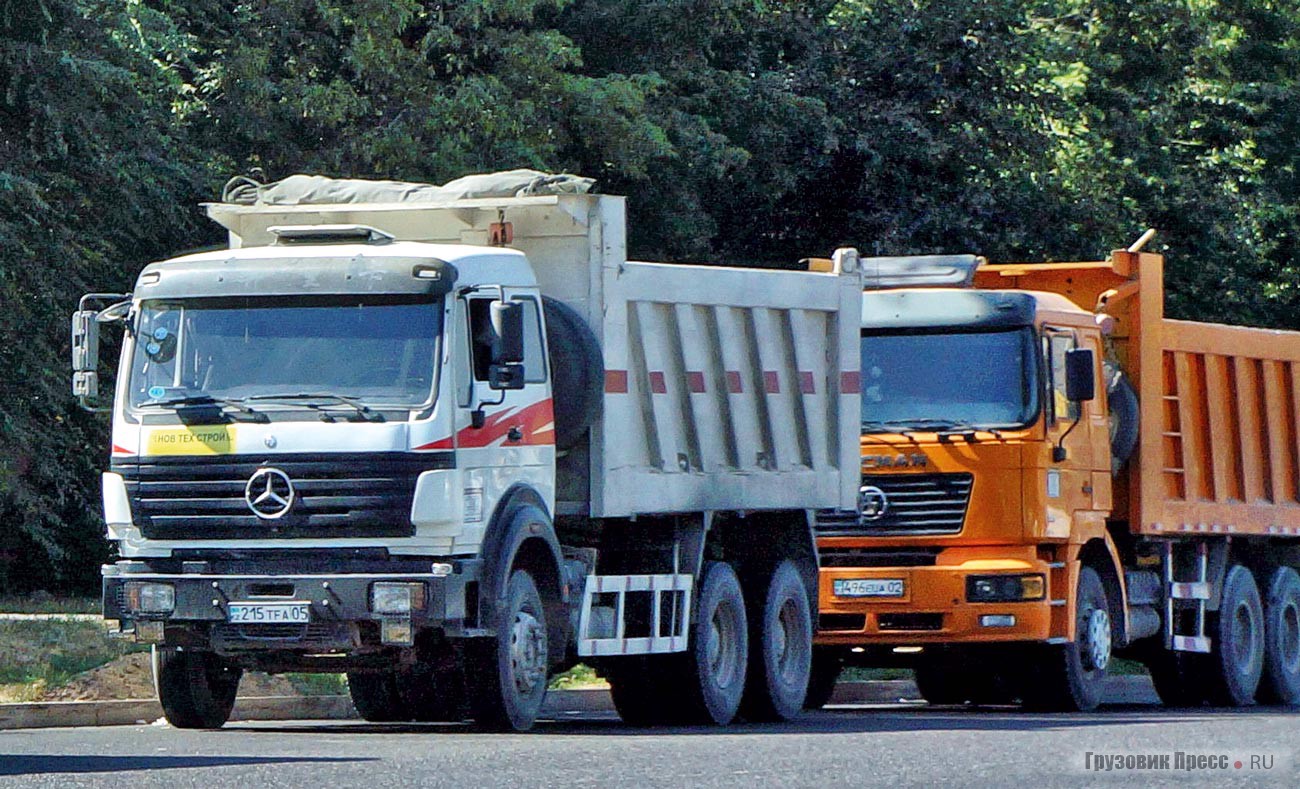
x: 1055, y: 474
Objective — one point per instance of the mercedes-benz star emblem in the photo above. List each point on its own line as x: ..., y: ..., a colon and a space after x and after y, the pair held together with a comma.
x: 269, y: 493
x: 872, y: 503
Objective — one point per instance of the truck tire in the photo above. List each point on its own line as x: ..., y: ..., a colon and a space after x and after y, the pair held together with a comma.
x: 1236, y: 661
x: 512, y: 666
x: 577, y: 372
x: 1122, y: 402
x: 1178, y: 677
x: 196, y: 689
x: 1281, y: 681
x: 719, y: 651
x: 1070, y: 676
x: 377, y: 696
x: 644, y: 688
x: 432, y: 689
x: 823, y: 675
x: 780, y: 657
x: 940, y: 682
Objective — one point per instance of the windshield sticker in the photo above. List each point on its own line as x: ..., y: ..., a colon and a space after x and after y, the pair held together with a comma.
x: 213, y: 440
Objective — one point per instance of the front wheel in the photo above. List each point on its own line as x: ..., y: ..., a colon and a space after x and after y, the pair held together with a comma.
x: 377, y: 696
x: 1071, y: 676
x: 781, y: 657
x: 823, y: 676
x: 941, y: 682
x: 512, y: 684
x: 196, y: 689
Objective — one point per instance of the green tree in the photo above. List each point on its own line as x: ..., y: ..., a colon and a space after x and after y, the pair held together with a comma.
x: 92, y: 183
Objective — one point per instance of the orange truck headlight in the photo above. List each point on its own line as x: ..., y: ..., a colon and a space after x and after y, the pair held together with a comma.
x: 1004, y: 588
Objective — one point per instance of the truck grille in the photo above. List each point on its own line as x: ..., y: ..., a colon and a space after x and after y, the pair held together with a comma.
x: 917, y: 504
x: 336, y: 495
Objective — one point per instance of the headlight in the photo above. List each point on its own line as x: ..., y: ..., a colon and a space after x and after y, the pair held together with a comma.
x: 143, y: 597
x: 387, y: 597
x: 1004, y: 588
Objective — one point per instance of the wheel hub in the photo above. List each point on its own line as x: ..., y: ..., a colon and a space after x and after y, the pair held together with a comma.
x: 1096, y: 640
x: 527, y: 652
x: 720, y: 648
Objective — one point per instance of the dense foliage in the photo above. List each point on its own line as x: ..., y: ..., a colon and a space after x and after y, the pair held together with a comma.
x: 752, y: 130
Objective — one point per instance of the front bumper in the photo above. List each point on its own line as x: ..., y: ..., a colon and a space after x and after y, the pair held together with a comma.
x: 338, y: 604
x: 933, y: 608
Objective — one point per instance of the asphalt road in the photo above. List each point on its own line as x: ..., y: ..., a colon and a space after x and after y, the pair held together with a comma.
x: 889, y: 745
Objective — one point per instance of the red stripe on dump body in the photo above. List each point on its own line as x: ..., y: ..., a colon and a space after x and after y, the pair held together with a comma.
x: 616, y: 381
x: 807, y: 384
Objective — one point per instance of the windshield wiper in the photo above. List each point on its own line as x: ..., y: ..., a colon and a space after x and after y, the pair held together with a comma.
x: 941, y: 427
x: 363, y: 412
x: 202, y: 400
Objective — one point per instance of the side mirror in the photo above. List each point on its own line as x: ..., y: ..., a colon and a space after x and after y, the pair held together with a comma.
x: 85, y: 341
x: 85, y: 344
x: 1080, y: 375
x: 508, y: 325
x: 507, y: 368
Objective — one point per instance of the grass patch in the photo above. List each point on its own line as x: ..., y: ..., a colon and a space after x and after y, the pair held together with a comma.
x: 47, y: 604
x: 1126, y: 668
x: 319, y: 684
x: 579, y: 677
x: 35, y: 656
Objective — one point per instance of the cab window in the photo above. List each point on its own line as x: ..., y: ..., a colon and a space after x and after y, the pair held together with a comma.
x: 480, y: 334
x: 1056, y: 343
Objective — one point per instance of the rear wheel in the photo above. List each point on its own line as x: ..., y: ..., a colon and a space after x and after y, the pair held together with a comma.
x: 1281, y: 681
x: 719, y: 652
x: 1236, y: 660
x: 781, y: 653
x: 1179, y: 677
x: 513, y: 667
x: 644, y: 688
x: 196, y: 689
x: 1070, y: 676
x: 822, y: 678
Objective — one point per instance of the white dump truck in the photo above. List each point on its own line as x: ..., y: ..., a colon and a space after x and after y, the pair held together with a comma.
x: 452, y: 447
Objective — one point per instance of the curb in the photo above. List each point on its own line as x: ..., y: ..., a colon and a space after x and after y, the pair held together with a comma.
x: 39, y: 715
x: 51, y: 714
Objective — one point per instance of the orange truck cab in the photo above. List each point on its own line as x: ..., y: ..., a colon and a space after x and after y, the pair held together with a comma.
x: 1054, y: 474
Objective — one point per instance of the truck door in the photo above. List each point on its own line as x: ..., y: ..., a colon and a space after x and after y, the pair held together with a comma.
x: 1069, y: 482
x: 513, y: 441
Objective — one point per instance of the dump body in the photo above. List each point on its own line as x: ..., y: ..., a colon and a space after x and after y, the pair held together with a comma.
x: 724, y: 388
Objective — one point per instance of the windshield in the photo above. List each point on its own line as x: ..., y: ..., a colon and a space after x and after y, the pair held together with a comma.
x: 377, y: 349
x: 949, y: 380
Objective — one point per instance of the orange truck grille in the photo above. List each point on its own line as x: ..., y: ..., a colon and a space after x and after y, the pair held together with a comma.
x: 890, y: 504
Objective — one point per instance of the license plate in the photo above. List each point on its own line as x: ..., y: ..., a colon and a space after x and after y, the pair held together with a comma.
x: 268, y: 613
x: 868, y: 587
